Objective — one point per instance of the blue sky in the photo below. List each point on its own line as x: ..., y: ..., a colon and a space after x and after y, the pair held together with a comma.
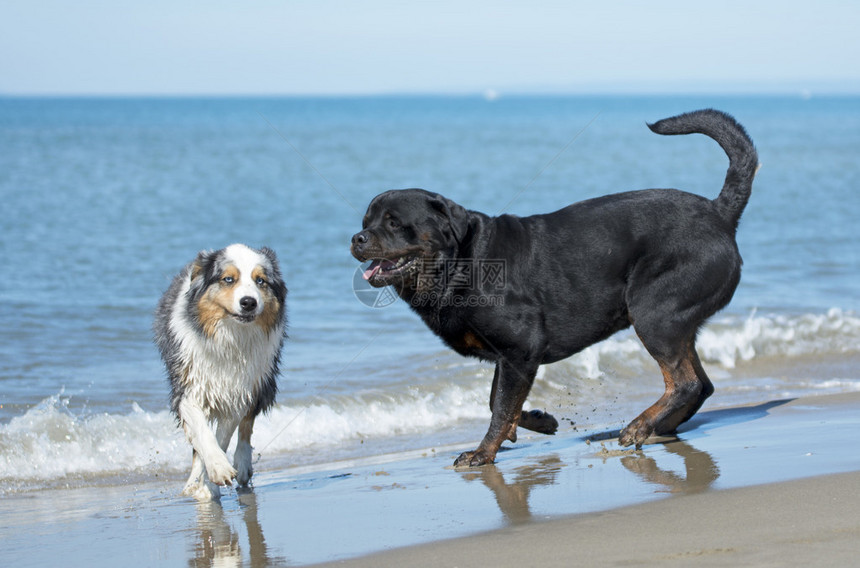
x: 159, y: 47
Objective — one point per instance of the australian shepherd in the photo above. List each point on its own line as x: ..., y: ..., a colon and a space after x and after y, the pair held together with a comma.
x: 220, y: 328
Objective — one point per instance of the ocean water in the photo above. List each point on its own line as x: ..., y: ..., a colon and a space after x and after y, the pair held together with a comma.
x: 104, y: 200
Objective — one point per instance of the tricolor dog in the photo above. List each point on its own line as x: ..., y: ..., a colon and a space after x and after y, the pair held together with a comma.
x: 220, y: 328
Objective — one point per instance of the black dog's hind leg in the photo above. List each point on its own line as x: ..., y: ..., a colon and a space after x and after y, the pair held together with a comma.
x: 667, y: 307
x: 707, y: 385
x: 511, y: 386
x: 687, y: 388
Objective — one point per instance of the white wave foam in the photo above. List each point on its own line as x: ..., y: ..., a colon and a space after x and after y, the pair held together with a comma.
x: 49, y: 444
x: 729, y: 342
x: 841, y: 385
x: 326, y: 423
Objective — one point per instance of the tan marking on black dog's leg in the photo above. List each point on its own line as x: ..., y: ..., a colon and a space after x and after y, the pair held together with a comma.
x: 685, y: 395
x: 707, y: 385
x: 690, y: 406
x: 511, y: 385
x: 682, y: 391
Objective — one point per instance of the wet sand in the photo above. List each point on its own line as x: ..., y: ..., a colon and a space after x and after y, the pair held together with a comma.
x: 769, y: 484
x: 809, y: 522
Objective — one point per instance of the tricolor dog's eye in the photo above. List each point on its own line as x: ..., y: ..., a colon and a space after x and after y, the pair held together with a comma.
x: 228, y: 280
x: 260, y: 281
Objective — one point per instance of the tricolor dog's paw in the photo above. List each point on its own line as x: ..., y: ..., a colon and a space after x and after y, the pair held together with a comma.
x: 244, y: 471
x: 221, y: 472
x: 243, y: 462
x: 202, y: 491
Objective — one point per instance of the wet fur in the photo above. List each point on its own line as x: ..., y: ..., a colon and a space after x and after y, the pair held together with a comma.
x: 222, y: 358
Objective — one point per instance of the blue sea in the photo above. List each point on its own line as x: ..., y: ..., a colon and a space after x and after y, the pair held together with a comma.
x: 105, y: 199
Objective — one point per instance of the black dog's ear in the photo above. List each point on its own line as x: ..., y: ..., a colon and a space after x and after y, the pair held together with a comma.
x: 458, y: 217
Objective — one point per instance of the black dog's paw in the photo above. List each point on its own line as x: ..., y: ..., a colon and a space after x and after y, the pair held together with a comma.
x: 539, y: 421
x: 476, y: 458
x: 636, y: 433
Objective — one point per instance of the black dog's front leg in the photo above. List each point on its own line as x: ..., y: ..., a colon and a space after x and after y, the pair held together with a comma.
x: 534, y: 420
x: 511, y: 385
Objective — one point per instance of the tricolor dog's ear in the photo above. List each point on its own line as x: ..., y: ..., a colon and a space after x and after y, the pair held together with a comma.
x: 198, y: 272
x: 457, y: 216
x: 276, y: 281
x: 271, y: 256
x: 198, y: 267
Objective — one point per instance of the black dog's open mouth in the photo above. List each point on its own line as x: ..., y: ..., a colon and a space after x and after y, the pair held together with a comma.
x: 382, y: 272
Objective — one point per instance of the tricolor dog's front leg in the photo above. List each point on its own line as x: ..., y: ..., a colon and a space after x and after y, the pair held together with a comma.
x: 196, y: 479
x: 511, y: 386
x: 242, y: 459
x: 196, y: 426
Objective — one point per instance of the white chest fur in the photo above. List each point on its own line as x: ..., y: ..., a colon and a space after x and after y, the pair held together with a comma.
x: 223, y: 373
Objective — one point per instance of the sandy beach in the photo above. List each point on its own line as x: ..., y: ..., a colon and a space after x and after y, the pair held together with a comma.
x: 769, y: 484
x: 808, y: 522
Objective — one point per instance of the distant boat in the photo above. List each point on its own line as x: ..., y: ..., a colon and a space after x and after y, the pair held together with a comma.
x: 491, y: 95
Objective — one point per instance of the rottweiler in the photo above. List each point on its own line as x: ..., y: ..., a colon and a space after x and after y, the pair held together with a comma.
x: 526, y: 291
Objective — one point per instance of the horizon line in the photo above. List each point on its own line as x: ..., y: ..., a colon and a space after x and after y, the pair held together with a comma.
x: 488, y: 94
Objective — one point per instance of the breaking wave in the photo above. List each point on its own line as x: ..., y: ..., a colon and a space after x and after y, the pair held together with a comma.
x: 50, y: 445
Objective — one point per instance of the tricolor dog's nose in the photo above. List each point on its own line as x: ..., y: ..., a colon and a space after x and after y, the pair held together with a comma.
x: 248, y: 304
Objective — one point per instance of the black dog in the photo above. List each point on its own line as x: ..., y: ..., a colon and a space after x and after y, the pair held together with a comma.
x: 524, y: 291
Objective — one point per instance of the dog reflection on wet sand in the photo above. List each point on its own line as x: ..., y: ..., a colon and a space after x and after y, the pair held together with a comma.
x: 512, y: 497
x: 700, y: 469
x: 219, y: 544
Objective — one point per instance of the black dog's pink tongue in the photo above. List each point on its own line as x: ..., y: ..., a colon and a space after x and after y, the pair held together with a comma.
x: 372, y: 269
x: 376, y: 266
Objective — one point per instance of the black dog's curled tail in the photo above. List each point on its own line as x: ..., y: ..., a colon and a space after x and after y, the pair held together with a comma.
x: 733, y: 139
